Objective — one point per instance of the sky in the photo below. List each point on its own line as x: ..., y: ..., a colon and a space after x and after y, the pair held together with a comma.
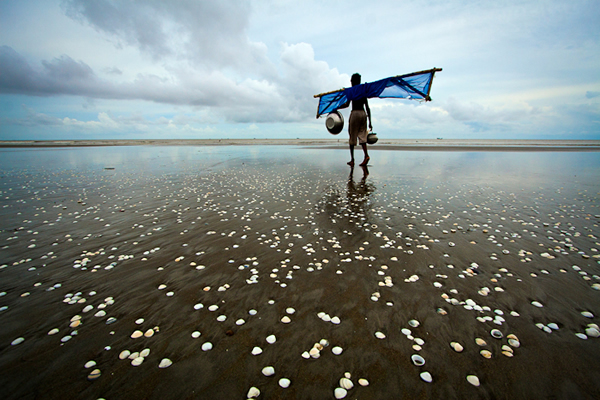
x: 195, y: 69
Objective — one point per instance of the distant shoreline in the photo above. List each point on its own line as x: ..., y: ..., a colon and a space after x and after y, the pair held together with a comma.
x: 388, y: 144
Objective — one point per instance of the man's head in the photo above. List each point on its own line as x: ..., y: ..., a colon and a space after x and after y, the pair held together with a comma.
x: 355, y: 80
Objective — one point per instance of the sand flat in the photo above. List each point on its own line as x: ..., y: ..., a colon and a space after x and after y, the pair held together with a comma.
x: 463, y: 242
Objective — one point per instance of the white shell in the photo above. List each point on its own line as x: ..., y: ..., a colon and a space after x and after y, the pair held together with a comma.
x: 363, y: 382
x: 164, y: 363
x: 426, y: 376
x: 90, y: 364
x: 592, y: 332
x: 196, y: 334
x: 417, y: 360
x: 587, y: 314
x: 17, y: 341
x: 379, y: 335
x: 253, y: 393
x: 284, y: 383
x: 473, y: 380
x: 124, y: 354
x: 271, y: 339
x: 268, y: 371
x: 256, y: 351
x: 335, y: 320
x: 346, y: 383
x: 496, y: 333
x: 340, y: 393
x: 414, y: 323
x: 537, y: 304
x: 456, y: 346
x: 337, y: 350
x: 286, y: 319
x: 137, y: 361
x: 207, y: 346
x: 137, y: 334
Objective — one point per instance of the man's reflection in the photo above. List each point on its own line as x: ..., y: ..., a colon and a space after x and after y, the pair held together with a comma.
x: 358, y: 193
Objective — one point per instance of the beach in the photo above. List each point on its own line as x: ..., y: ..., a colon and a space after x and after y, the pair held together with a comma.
x: 215, y: 259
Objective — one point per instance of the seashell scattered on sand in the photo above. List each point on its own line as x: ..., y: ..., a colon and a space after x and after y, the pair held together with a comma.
x: 346, y: 383
x: 253, y: 393
x: 456, y: 346
x: 137, y: 334
x: 340, y: 393
x: 473, y: 380
x: 486, y: 353
x: 426, y: 376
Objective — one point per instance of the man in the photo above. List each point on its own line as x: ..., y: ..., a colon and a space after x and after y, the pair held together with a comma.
x: 357, y: 126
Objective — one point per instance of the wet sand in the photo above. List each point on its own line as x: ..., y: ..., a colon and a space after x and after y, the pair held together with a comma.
x: 161, y: 233
x: 382, y: 144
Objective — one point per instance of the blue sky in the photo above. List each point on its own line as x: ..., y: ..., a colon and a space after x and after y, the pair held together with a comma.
x: 125, y: 69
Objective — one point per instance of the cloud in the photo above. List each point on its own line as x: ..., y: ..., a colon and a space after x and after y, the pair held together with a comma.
x: 286, y: 97
x: 211, y: 35
x: 591, y: 94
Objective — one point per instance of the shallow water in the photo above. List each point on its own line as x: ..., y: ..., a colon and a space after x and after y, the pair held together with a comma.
x: 83, y: 225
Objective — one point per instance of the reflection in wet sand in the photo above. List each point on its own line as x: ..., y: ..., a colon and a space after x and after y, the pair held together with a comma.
x: 192, y: 272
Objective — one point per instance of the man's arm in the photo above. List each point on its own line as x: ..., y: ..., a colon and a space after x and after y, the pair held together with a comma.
x: 368, y: 114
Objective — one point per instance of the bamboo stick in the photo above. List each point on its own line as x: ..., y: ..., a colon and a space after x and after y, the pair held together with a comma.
x: 434, y: 70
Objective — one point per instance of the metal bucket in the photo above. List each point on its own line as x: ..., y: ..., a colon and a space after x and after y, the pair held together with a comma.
x: 334, y: 122
x: 372, y: 138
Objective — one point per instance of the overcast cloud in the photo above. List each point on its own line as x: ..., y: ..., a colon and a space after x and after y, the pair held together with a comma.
x: 188, y: 68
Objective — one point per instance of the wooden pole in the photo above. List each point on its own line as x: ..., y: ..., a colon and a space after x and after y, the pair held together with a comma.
x: 434, y: 70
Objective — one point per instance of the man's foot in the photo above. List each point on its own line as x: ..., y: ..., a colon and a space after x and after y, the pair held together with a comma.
x: 365, y: 162
x: 351, y: 163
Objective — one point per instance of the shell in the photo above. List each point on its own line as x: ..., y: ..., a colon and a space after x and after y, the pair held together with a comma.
x: 340, y: 393
x: 271, y: 339
x: 314, y: 353
x: 417, y: 360
x: 137, y: 334
x: 337, y: 350
x: 363, y: 382
x: 496, y: 333
x: 592, y: 332
x: 346, y: 383
x: 480, y: 342
x: 149, y: 333
x: 207, y: 346
x: 137, y: 361
x: 284, y: 383
x: 286, y: 319
x: 414, y: 323
x: 426, y: 376
x: 473, y: 380
x: 95, y: 374
x: 253, y: 393
x: 486, y: 353
x: 514, y: 343
x: 456, y: 346
x: 268, y: 371
x: 379, y: 335
x: 256, y: 351
x: 124, y: 354
x: 164, y: 363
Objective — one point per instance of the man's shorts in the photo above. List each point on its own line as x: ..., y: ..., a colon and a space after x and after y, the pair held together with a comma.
x: 357, y: 127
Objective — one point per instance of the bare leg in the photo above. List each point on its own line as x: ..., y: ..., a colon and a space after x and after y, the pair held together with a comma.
x: 351, y: 162
x: 367, y: 158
